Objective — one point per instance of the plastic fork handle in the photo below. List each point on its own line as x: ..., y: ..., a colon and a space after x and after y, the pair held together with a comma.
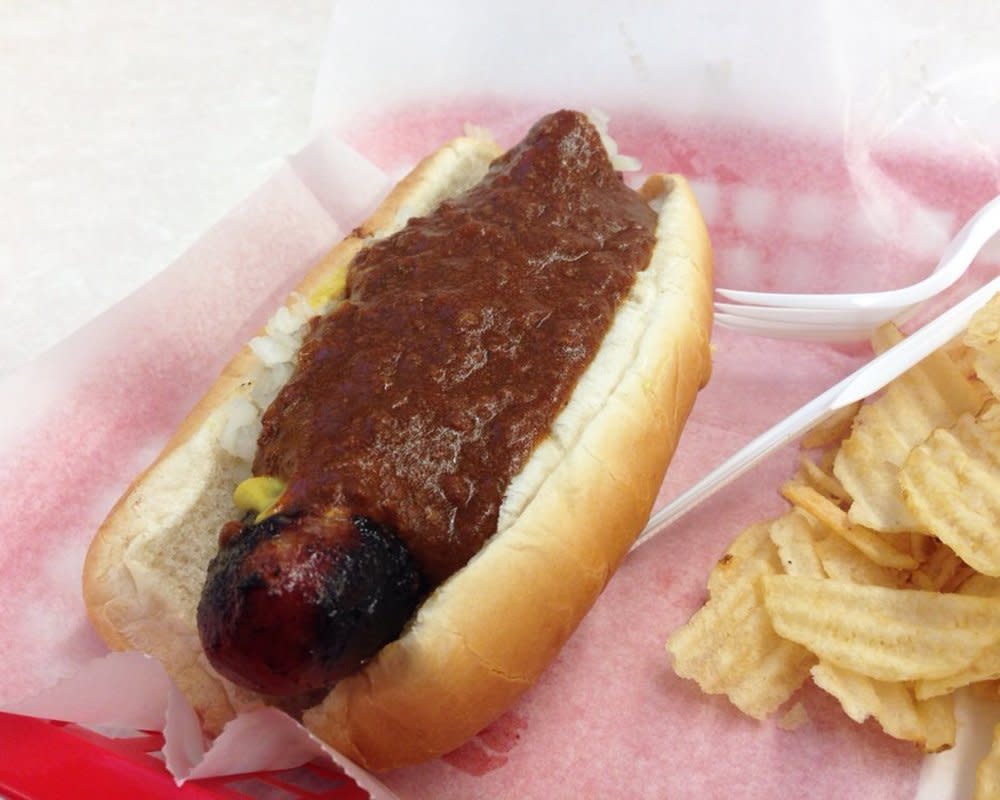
x: 816, y: 410
x: 873, y: 376
x: 795, y: 331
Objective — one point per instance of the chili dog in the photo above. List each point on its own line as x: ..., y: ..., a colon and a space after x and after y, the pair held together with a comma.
x: 395, y: 506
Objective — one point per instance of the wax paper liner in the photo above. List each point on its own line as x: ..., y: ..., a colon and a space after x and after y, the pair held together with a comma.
x: 265, y: 739
x: 85, y: 418
x: 822, y: 163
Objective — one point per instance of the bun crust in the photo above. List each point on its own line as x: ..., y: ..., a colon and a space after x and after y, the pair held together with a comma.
x: 569, y: 518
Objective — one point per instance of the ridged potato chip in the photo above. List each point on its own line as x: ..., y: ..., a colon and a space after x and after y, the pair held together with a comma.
x: 929, y: 723
x: 984, y: 327
x: 921, y: 546
x: 844, y: 562
x: 986, y: 667
x: 987, y: 367
x: 832, y: 430
x: 988, y: 772
x: 986, y: 690
x: 729, y: 646
x: 983, y: 338
x: 964, y: 358
x: 951, y: 484
x: 879, y: 550
x: 931, y: 395
x: 941, y: 570
x: 885, y: 336
x: 886, y: 634
x: 796, y: 535
x: 883, y: 580
x: 981, y: 586
x: 753, y: 544
x: 812, y: 474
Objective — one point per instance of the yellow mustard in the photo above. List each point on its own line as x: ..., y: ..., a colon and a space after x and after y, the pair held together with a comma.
x: 332, y: 288
x: 258, y: 494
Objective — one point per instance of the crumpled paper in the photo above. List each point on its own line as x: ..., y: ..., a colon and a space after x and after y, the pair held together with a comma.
x: 130, y: 690
x: 95, y: 410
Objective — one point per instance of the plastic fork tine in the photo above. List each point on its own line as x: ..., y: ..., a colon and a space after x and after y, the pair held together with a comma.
x: 835, y: 302
x: 808, y: 316
x: 777, y: 329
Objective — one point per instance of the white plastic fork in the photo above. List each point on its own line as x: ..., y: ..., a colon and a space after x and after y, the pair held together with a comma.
x: 874, y: 375
x: 849, y: 317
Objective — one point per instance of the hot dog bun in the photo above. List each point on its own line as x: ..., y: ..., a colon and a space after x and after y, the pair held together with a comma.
x: 567, y: 519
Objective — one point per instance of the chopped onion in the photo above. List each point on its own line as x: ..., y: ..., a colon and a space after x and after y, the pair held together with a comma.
x: 239, y: 434
x: 621, y: 163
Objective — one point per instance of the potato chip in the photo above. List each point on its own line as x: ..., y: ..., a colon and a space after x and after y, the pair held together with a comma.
x: 754, y: 543
x: 977, y: 353
x: 987, y: 368
x: 930, y: 395
x: 983, y: 338
x: 832, y: 430
x: 843, y: 562
x: 987, y: 387
x: 986, y: 690
x: 980, y: 586
x: 964, y: 355
x: 795, y: 535
x: 886, y: 634
x: 870, y: 582
x: 885, y: 336
x: 956, y: 581
x: 921, y: 546
x: 988, y: 772
x: 876, y: 548
x: 929, y: 723
x: 811, y: 474
x: 826, y: 460
x: 983, y: 332
x: 951, y: 483
x: 940, y: 568
x: 729, y: 646
x: 961, y: 354
x: 986, y: 667
x: 945, y: 581
x: 938, y: 715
